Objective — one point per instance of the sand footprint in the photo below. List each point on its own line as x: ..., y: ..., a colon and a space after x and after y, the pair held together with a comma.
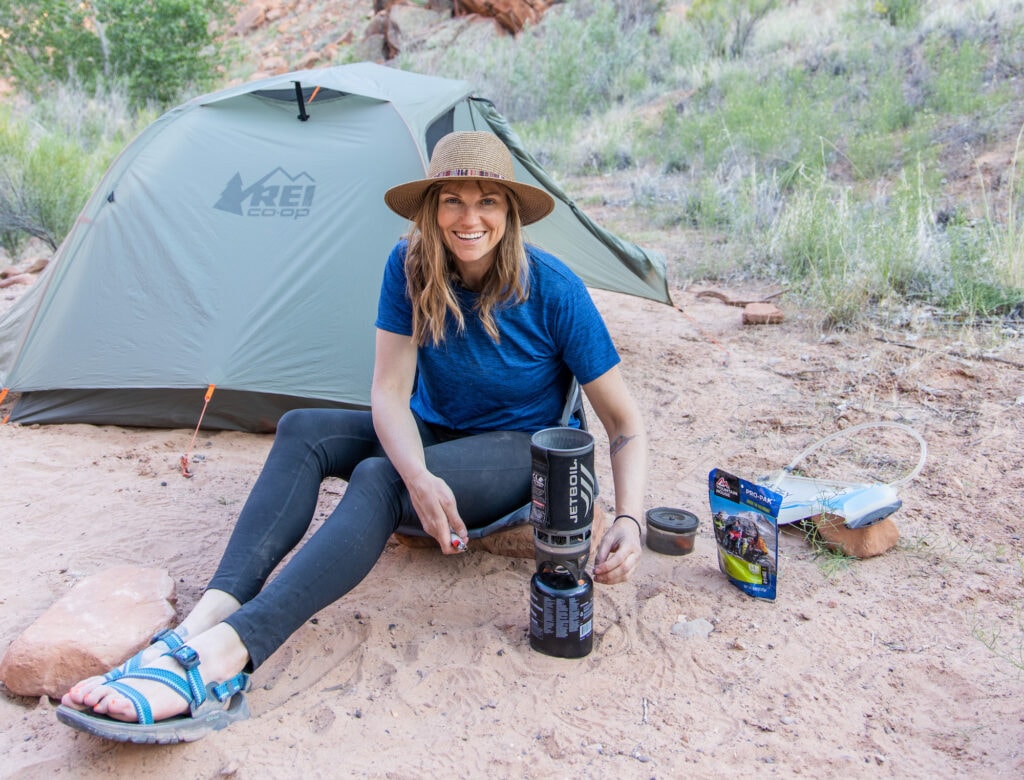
x: 325, y: 654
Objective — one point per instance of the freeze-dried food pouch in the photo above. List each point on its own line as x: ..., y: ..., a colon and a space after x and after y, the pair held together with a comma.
x: 745, y: 518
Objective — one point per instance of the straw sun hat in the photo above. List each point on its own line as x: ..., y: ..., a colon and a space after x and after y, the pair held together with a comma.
x: 466, y: 156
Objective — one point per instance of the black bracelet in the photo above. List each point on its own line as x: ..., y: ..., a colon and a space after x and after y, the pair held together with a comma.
x: 638, y: 527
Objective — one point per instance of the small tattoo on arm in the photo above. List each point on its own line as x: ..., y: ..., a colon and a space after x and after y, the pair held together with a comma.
x: 619, y: 443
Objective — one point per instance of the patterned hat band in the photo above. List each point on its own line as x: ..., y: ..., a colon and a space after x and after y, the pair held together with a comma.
x: 468, y: 173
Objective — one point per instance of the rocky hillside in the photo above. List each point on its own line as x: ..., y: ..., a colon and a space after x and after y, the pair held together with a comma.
x: 278, y: 37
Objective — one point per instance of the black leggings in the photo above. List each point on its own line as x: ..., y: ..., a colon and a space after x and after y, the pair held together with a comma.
x: 488, y: 473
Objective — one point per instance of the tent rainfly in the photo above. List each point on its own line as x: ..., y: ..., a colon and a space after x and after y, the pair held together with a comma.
x: 239, y: 242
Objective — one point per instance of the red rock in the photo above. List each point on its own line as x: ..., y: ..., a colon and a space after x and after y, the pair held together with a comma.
x: 762, y: 314
x: 309, y: 60
x: 99, y: 623
x: 860, y: 542
x: 512, y: 15
x: 249, y: 18
x: 274, y: 64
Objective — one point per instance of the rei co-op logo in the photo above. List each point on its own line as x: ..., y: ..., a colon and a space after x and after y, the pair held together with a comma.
x: 276, y: 195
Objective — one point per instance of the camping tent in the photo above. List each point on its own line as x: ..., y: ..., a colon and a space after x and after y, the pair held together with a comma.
x: 239, y: 242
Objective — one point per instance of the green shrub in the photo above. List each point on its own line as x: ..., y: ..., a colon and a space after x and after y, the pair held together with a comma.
x: 900, y: 249
x: 844, y: 255
x: 158, y: 48
x: 52, y: 154
x: 727, y: 26
x: 807, y: 240
x: 775, y: 125
x: 886, y: 108
x: 898, y: 13
x: 847, y: 256
x: 957, y: 84
x: 983, y: 281
x: 1005, y: 237
x: 43, y: 185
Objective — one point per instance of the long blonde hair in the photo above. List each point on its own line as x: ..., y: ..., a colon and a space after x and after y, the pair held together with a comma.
x: 431, y: 274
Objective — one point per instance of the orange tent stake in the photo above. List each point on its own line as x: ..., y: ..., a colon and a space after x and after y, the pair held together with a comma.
x: 185, y: 472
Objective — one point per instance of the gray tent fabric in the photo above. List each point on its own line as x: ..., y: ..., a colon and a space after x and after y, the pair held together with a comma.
x: 239, y: 241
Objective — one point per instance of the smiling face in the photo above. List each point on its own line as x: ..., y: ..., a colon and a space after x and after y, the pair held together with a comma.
x: 472, y: 216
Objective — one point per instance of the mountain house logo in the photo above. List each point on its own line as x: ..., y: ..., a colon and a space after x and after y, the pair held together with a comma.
x: 278, y: 194
x: 727, y: 486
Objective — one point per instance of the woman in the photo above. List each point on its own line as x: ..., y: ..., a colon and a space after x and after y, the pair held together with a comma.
x: 484, y: 334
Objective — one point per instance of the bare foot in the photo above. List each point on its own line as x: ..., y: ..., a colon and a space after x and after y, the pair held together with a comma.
x: 212, y: 607
x: 221, y: 653
x: 78, y: 693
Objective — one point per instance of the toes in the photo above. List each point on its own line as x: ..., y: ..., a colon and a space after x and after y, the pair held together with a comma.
x: 79, y: 691
x: 75, y: 704
x: 97, y: 699
x: 96, y: 696
x: 114, y: 705
x: 117, y: 707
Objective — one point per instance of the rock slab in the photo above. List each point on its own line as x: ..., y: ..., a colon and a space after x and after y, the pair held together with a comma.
x: 99, y: 623
x: 762, y: 314
x: 860, y: 542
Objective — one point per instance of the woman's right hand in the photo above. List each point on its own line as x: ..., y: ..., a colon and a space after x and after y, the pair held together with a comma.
x: 393, y: 373
x: 436, y: 508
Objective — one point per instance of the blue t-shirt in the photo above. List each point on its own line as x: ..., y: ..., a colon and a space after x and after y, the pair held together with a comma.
x: 471, y: 384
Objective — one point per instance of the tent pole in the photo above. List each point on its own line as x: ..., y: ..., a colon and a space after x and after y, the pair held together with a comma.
x: 303, y: 116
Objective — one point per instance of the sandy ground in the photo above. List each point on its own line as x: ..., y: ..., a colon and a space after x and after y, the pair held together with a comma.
x: 904, y: 665
x: 908, y: 665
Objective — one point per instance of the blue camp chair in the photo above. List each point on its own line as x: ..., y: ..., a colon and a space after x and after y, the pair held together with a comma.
x: 413, y: 535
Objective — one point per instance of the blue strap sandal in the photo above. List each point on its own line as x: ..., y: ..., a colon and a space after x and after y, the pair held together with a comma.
x: 207, y: 712
x: 167, y: 636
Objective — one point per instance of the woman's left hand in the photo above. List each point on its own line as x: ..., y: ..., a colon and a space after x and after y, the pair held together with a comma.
x: 618, y: 553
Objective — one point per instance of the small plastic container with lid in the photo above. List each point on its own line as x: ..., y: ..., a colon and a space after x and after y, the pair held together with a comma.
x: 671, y: 531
